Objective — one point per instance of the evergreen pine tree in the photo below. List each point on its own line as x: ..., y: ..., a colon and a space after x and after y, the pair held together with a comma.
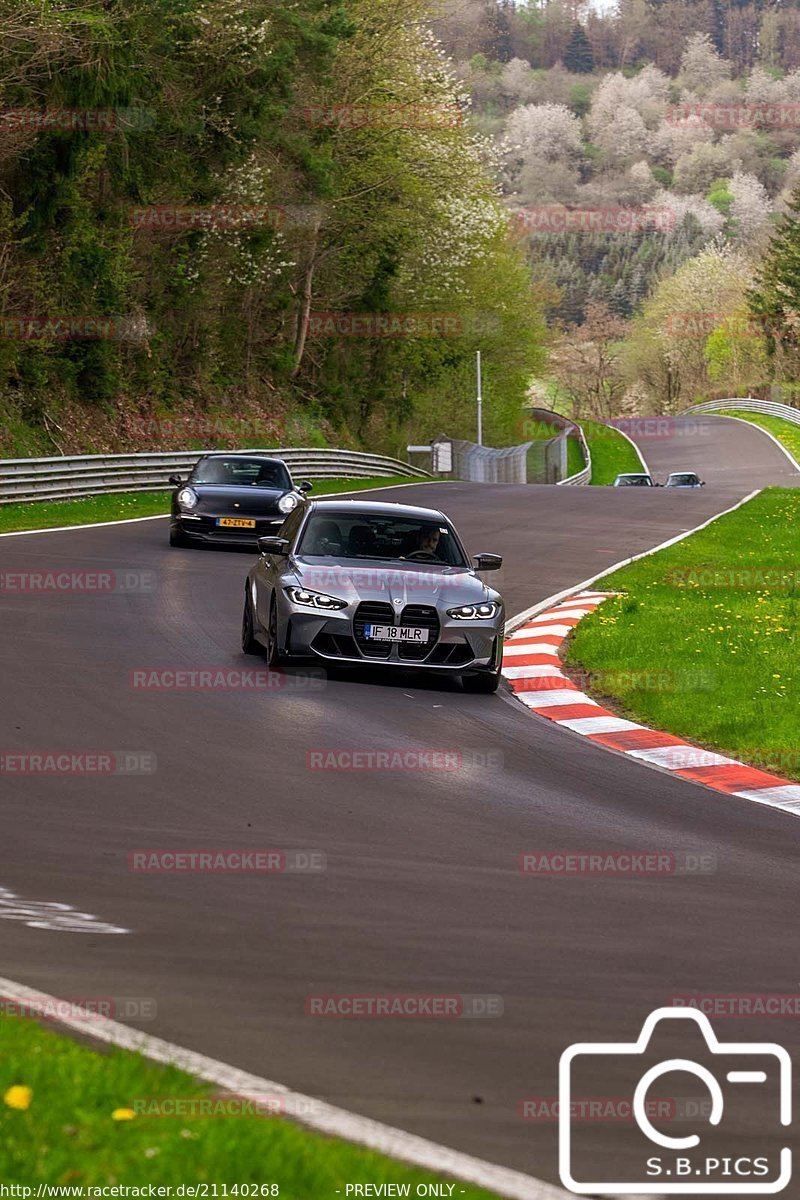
x: 776, y: 296
x: 578, y: 56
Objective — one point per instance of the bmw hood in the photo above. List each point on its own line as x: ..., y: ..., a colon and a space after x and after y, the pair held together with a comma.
x: 418, y: 583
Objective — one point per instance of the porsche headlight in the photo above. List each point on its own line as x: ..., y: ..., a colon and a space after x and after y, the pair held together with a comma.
x: 308, y: 599
x: 187, y: 498
x: 473, y: 612
x: 287, y: 503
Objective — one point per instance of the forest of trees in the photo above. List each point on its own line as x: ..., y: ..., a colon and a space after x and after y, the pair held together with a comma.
x: 210, y: 103
x: 377, y: 160
x: 682, y: 114
x: 629, y: 34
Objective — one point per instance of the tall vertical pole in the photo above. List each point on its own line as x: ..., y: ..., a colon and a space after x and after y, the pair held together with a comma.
x: 480, y: 403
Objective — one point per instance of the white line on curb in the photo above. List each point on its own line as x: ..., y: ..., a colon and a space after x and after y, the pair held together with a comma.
x: 316, y: 1114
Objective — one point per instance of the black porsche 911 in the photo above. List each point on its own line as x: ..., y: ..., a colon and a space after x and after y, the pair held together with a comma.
x: 232, y: 499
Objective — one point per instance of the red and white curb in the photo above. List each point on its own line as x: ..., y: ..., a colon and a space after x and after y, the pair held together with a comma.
x: 532, y: 666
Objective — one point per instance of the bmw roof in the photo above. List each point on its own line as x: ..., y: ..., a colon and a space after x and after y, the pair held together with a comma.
x: 377, y: 508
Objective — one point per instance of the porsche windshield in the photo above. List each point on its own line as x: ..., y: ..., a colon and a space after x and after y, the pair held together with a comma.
x: 388, y: 538
x: 242, y: 472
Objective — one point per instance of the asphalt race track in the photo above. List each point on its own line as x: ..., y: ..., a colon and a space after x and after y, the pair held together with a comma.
x: 422, y: 893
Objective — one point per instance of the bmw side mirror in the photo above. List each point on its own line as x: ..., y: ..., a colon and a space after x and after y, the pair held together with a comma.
x: 702, y: 483
x: 305, y: 486
x: 175, y: 480
x: 273, y: 545
x: 487, y: 562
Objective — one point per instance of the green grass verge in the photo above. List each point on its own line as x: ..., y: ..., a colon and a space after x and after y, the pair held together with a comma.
x: 611, y: 452
x: 786, y: 433
x: 575, y: 461
x: 67, y: 1134
x: 42, y: 514
x: 704, y: 643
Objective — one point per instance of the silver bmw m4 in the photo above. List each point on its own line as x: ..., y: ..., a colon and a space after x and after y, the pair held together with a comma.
x: 356, y: 582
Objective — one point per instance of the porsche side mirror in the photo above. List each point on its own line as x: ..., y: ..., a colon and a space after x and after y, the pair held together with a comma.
x: 487, y: 562
x: 305, y: 486
x: 175, y: 480
x: 273, y: 545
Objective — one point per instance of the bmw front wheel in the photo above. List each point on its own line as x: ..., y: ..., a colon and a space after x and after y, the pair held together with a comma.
x: 249, y: 643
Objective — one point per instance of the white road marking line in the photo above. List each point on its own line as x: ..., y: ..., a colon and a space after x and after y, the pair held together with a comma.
x: 639, y: 454
x: 681, y: 758
x: 579, y: 589
x: 162, y: 516
x: 52, y: 915
x: 761, y: 429
x: 316, y: 1114
x: 73, y: 528
x: 598, y: 724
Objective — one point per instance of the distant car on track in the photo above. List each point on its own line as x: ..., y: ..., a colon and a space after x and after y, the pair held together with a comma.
x: 232, y: 499
x: 684, y: 479
x: 635, y: 480
x: 357, y: 583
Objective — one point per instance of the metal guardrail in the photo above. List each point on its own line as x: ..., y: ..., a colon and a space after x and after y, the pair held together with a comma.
x: 767, y: 407
x: 584, y: 477
x: 98, y: 474
x: 483, y: 464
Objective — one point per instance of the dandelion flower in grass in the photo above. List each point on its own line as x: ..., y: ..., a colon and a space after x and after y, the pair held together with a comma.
x: 123, y: 1114
x: 18, y: 1097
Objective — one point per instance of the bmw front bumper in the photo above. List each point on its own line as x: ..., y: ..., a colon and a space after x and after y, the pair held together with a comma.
x: 453, y: 645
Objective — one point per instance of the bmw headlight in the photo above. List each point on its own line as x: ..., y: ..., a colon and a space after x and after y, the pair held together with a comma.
x: 308, y: 599
x: 287, y: 503
x: 473, y: 612
x: 187, y: 498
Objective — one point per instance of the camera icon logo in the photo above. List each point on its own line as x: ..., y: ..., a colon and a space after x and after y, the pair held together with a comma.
x: 661, y: 1163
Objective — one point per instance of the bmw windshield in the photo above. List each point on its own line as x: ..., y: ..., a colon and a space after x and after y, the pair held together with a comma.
x: 383, y: 538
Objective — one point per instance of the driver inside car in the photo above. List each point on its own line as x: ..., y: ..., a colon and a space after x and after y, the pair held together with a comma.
x: 424, y: 540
